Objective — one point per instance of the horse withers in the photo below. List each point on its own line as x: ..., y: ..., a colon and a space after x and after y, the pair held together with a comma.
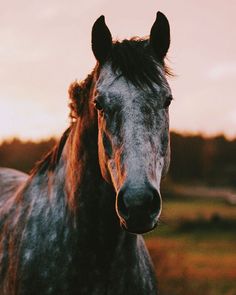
x: 73, y: 225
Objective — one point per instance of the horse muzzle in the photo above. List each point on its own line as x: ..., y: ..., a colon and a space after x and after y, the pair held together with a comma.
x: 138, y: 208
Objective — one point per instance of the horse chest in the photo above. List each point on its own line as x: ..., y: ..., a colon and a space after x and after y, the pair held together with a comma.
x: 104, y: 268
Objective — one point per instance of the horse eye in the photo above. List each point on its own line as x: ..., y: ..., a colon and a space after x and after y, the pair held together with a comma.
x: 168, y: 101
x: 98, y: 105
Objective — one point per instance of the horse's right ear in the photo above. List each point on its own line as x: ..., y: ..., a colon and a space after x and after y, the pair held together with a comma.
x: 101, y: 40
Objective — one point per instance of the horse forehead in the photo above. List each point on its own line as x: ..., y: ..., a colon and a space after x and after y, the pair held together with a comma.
x: 114, y: 83
x: 118, y: 85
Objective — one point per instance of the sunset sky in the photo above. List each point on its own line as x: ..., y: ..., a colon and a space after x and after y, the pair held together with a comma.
x: 45, y: 45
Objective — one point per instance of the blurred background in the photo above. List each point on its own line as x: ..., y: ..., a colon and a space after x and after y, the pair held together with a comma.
x: 45, y: 45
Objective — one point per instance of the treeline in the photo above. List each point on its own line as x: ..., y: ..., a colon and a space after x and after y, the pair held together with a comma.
x: 209, y: 160
x: 193, y: 158
x: 23, y: 155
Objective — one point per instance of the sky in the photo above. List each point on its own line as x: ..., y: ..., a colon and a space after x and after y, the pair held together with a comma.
x: 45, y: 45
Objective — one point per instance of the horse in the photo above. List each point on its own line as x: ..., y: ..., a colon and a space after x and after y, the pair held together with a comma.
x: 74, y: 225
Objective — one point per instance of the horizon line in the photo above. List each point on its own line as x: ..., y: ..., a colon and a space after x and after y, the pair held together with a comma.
x: 184, y: 133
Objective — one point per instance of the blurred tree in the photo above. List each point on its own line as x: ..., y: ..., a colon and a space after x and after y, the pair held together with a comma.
x: 23, y: 155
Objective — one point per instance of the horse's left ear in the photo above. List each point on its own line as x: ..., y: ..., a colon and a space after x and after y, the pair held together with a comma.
x: 160, y: 36
x: 101, y: 40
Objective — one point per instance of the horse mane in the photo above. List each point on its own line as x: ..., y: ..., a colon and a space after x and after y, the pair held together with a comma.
x: 51, y: 159
x: 78, y: 93
x: 137, y: 62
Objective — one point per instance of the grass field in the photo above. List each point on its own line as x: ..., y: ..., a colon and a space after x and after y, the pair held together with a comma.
x: 194, y: 248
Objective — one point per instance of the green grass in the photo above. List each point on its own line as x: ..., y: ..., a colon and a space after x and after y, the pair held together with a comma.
x: 192, y: 208
x: 194, y: 248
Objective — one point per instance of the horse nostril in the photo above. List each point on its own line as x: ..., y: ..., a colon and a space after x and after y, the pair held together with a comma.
x: 123, y: 210
x: 155, y: 205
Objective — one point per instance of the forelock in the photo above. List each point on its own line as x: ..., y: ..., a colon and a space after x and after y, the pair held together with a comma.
x: 135, y: 60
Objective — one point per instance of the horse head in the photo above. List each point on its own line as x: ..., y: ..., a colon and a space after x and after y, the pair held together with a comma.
x: 131, y: 96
